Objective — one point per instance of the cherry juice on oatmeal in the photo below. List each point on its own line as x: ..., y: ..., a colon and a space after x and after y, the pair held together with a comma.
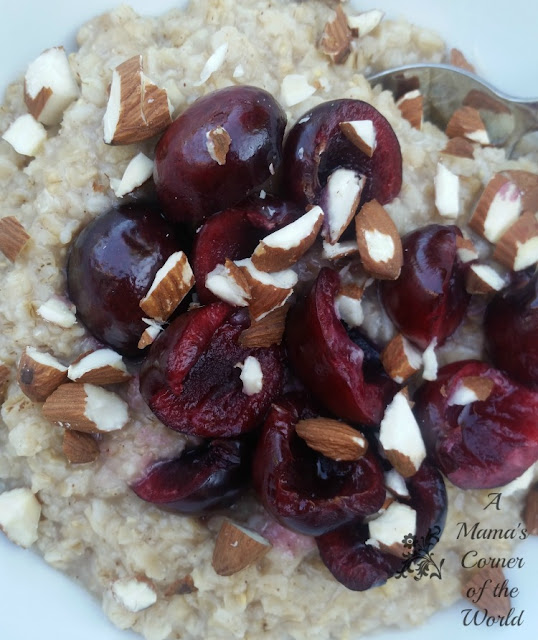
x: 269, y: 335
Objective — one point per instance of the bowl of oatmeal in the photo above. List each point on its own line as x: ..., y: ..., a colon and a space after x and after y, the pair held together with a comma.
x: 97, y: 48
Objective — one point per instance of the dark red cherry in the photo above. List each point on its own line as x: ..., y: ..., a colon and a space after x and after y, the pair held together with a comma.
x: 429, y: 299
x: 206, y: 477
x: 191, y: 184
x: 483, y: 444
x: 305, y: 490
x: 190, y: 379
x: 360, y: 566
x: 342, y: 370
x: 511, y: 325
x: 316, y: 147
x: 234, y: 234
x: 110, y: 268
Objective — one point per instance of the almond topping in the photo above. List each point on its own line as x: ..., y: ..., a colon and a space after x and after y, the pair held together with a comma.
x: 527, y: 183
x: 411, y: 106
x: 295, y: 89
x: 362, y: 134
x: 447, y: 192
x: 229, y: 283
x: 483, y: 582
x: 283, y: 248
x: 340, y: 200
x: 498, y: 208
x: 20, y: 512
x: 86, y: 407
x: 150, y: 333
x: 251, y: 375
x: 365, y: 22
x: 471, y: 389
x: 459, y: 147
x: 336, y: 38
x: 103, y: 366
x: 133, y: 594
x: 467, y: 123
x: 50, y: 86
x: 391, y: 527
x: 482, y: 279
x: 39, y: 374
x: 429, y: 360
x: 80, y: 448
x: 218, y: 144
x: 339, y: 250
x: 349, y: 304
x: 400, y: 359
x: 26, y: 135
x: 517, y: 248
x: 138, y: 171
x: 332, y: 438
x: 395, y: 484
x: 13, y: 237
x: 466, y: 250
x: 457, y: 59
x: 237, y: 548
x: 171, y: 284
x: 531, y: 511
x: 137, y: 109
x: 380, y: 246
x: 265, y: 332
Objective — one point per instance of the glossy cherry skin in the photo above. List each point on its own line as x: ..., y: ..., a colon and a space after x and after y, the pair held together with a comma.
x: 360, y: 566
x: 305, y: 490
x: 190, y: 378
x: 511, y: 326
x: 234, y: 233
x: 429, y: 299
x: 486, y: 443
x: 331, y: 362
x: 190, y: 184
x: 315, y: 147
x: 110, y: 268
x: 210, y: 476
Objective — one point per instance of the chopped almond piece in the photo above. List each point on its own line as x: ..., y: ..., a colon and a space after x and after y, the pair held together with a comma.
x: 482, y: 585
x: 282, y: 248
x: 58, y: 311
x: 517, y: 248
x: 467, y: 123
x: 213, y: 64
x: 483, y: 279
x: 237, y: 548
x: 411, y: 106
x: 531, y: 511
x: 102, y: 366
x: 362, y: 134
x: 39, y: 374
x: 400, y: 359
x: 527, y: 183
x: 365, y: 22
x: 85, y: 407
x: 150, y: 333
x: 457, y: 59
x: 429, y: 360
x: 447, y: 192
x: 171, y: 284
x: 459, y: 147
x: 295, y: 89
x: 332, y: 438
x: 138, y: 171
x: 229, y: 283
x: 339, y: 250
x: 251, y: 375
x: 466, y: 250
x: 137, y: 109
x: 26, y: 135
x: 349, y: 304
x: 391, y: 527
x: 265, y: 332
x: 134, y: 594
x: 218, y: 143
x: 395, y: 484
x: 498, y: 208
x: 379, y: 242
x: 471, y: 389
x: 13, y: 237
x: 336, y: 38
x: 80, y: 448
x: 340, y: 200
x: 20, y: 512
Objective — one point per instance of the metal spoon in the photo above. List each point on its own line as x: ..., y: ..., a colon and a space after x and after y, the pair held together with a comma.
x: 446, y: 88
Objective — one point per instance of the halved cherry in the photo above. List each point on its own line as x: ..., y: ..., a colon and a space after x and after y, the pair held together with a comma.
x: 342, y: 370
x: 305, y: 490
x: 360, y: 566
x: 429, y: 299
x: 209, y: 476
x: 191, y: 381
x: 485, y: 443
x: 316, y: 147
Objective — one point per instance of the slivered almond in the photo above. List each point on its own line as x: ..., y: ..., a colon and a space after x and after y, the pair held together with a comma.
x: 482, y: 279
x: 79, y: 447
x: 218, y: 143
x: 13, y: 237
x: 150, y: 333
x: 267, y: 331
x: 482, y: 584
x: 471, y: 389
x: 340, y: 200
x: 39, y: 374
x: 411, y: 106
x: 527, y: 183
x: 459, y: 147
x: 58, y: 311
x: 531, y: 510
x: 237, y: 548
x: 362, y: 134
x: 482, y: 100
x: 467, y: 123
x: 86, y: 407
x: 339, y: 250
x: 447, y: 192
x: 465, y: 249
x: 349, y: 304
x: 335, y: 40
x: 400, y: 359
x: 380, y: 245
x: 459, y: 60
x: 171, y: 284
x: 332, y: 438
x: 102, y: 366
x: 282, y: 248
x: 229, y: 283
x: 137, y: 109
x: 517, y: 248
x: 497, y: 209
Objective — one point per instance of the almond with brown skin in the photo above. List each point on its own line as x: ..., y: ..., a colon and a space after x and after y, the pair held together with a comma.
x: 335, y: 40
x: 411, y: 106
x: 13, y: 237
x: 471, y: 389
x: 218, y: 143
x: 267, y: 331
x: 459, y: 60
x: 459, y: 147
x: 39, y: 374
x: 467, y: 123
x: 531, y: 511
x: 527, y: 183
x: 80, y: 448
x: 497, y: 209
x: 481, y: 279
x: 517, y: 248
x: 332, y: 438
x: 400, y: 359
x: 494, y: 605
x: 466, y: 249
x: 102, y: 366
x: 362, y: 134
x: 237, y: 548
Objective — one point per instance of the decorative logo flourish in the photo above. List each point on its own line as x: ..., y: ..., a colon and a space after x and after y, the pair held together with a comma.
x: 418, y: 559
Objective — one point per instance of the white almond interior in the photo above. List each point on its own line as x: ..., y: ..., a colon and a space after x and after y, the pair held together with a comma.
x: 19, y: 516
x: 285, y: 279
x: 251, y: 376
x: 105, y: 409
x: 293, y: 234
x: 526, y: 254
x: 393, y: 525
x: 138, y: 171
x: 380, y: 245
x: 429, y: 360
x: 221, y: 282
x: 46, y: 359
x: 113, y: 108
x: 295, y: 89
x: 170, y: 264
x: 96, y: 360
x: 342, y: 192
x: 395, y: 483
x: 213, y: 63
x: 447, y: 192
x: 58, y: 312
x: 26, y: 135
x: 350, y: 310
x: 135, y: 595
x: 488, y: 275
x: 365, y: 22
x: 503, y: 211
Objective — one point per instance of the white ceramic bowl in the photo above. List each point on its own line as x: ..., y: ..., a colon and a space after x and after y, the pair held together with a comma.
x: 499, y: 38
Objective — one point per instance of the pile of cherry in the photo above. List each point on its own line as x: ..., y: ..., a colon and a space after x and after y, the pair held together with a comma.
x: 189, y: 376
